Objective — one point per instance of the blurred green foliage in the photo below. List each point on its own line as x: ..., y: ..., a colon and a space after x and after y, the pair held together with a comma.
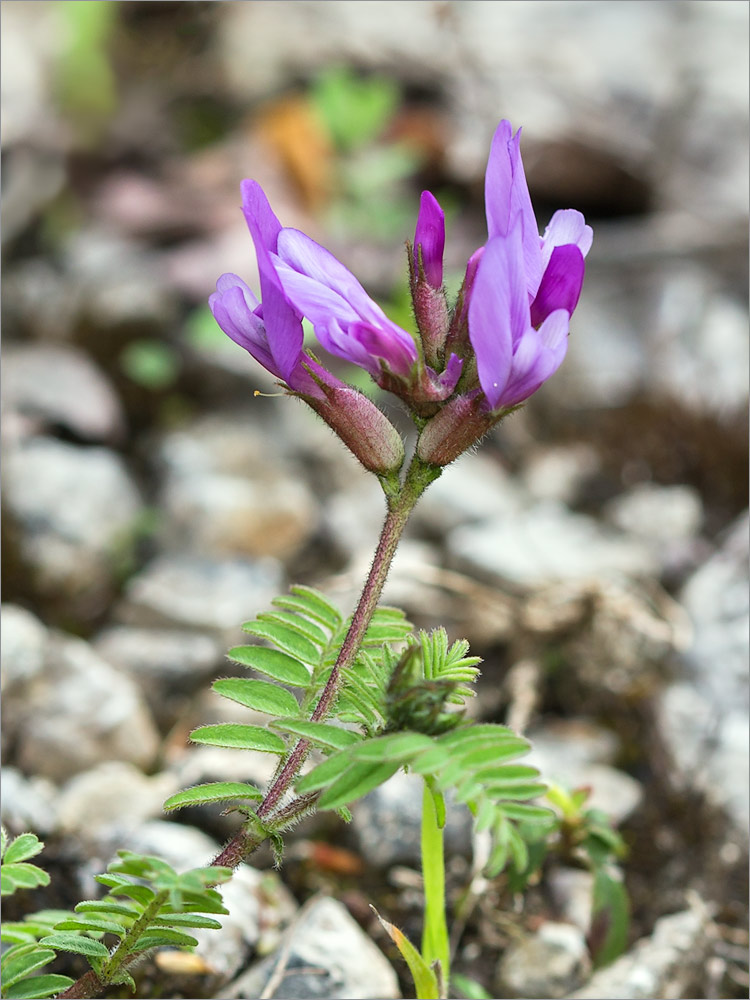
x: 86, y: 86
x: 354, y: 110
x: 151, y: 364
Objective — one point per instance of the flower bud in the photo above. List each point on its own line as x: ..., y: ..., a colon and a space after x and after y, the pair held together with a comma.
x: 362, y: 426
x: 460, y: 424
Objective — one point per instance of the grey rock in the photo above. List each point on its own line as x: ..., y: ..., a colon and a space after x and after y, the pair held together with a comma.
x: 260, y: 906
x: 387, y: 823
x: 549, y: 963
x: 28, y: 804
x: 324, y: 954
x: 659, y: 514
x: 224, y: 495
x: 566, y: 754
x: 662, y: 965
x: 199, y: 593
x: 112, y: 797
x: 183, y: 847
x: 167, y: 664
x: 558, y: 473
x: 704, y: 716
x: 60, y: 386
x: 122, y: 283
x: 79, y: 712
x: 701, y: 348
x: 546, y: 543
x: 573, y: 891
x: 74, y: 515
x: 474, y: 488
x: 24, y: 645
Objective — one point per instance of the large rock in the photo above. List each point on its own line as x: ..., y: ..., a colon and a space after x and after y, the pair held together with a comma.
x: 546, y: 543
x: 666, y: 964
x: 225, y: 495
x: 78, y: 712
x: 73, y: 516
x: 704, y: 715
x: 549, y: 963
x: 325, y: 955
x: 78, y: 398
x: 210, y: 595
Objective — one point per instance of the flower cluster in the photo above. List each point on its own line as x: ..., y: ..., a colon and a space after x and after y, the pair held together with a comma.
x: 503, y: 338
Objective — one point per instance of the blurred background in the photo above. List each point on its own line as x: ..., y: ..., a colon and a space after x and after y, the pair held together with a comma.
x: 594, y: 550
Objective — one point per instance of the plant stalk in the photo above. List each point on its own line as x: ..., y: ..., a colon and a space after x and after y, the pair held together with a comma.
x: 435, y: 939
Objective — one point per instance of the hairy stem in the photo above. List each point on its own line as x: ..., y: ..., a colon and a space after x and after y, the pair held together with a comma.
x: 400, y: 505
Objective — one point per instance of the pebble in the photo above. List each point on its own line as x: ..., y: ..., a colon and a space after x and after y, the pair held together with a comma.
x: 225, y: 496
x: 325, y: 955
x: 665, y: 964
x: 704, y: 715
x: 79, y: 712
x: 24, y: 645
x: 79, y: 398
x: 658, y: 514
x: 572, y: 890
x: 73, y: 516
x: 210, y: 595
x: 168, y: 665
x: 112, y: 797
x: 546, y: 543
x: 549, y: 963
x: 28, y: 804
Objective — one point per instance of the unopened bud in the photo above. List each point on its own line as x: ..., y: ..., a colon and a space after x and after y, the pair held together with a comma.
x: 460, y: 424
x: 363, y: 428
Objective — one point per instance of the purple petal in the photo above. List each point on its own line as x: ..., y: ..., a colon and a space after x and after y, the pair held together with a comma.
x: 380, y: 344
x: 283, y: 325
x: 498, y: 312
x: 343, y: 314
x: 538, y: 356
x: 430, y: 236
x: 449, y: 378
x: 566, y: 226
x: 506, y: 193
x: 561, y: 284
x: 233, y: 311
x: 310, y: 258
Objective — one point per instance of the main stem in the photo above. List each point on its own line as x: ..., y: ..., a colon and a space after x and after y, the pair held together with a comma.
x: 400, y: 505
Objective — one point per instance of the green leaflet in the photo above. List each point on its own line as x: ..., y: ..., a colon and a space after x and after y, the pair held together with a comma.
x: 23, y: 847
x: 37, y: 987
x: 213, y: 791
x: 235, y: 734
x: 288, y: 640
x: 273, y: 663
x: 260, y: 695
x: 76, y: 943
x: 320, y: 733
x: 22, y: 959
x: 301, y: 625
x: 158, y: 937
x: 310, y: 603
x: 356, y: 781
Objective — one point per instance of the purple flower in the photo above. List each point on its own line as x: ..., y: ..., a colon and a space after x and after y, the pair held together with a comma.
x: 429, y: 240
x: 271, y: 330
x: 525, y: 287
